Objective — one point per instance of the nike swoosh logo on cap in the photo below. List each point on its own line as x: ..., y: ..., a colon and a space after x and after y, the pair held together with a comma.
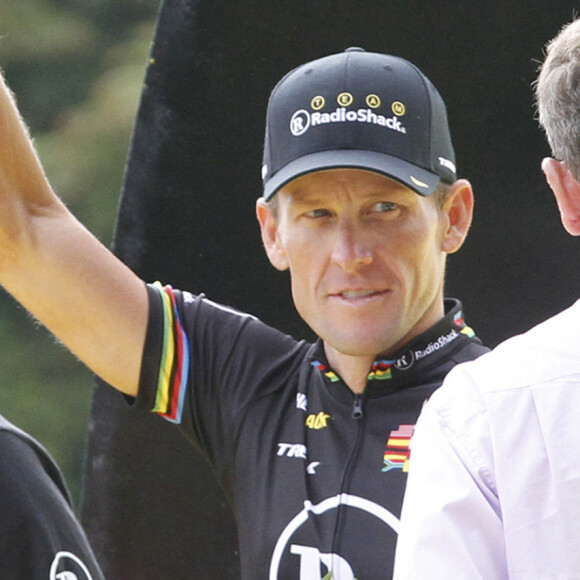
x: 417, y: 182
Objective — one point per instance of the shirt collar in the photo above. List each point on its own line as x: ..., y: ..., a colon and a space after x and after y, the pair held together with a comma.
x: 417, y: 357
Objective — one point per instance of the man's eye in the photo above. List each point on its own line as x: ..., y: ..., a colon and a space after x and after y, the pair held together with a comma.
x: 318, y: 213
x: 385, y: 206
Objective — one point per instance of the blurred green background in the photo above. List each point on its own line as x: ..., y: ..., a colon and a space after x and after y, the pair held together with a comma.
x: 76, y: 67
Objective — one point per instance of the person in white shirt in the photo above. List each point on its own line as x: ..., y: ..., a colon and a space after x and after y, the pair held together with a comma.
x: 494, y: 480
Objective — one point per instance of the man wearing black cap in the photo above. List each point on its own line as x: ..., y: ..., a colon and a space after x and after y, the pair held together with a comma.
x: 309, y: 441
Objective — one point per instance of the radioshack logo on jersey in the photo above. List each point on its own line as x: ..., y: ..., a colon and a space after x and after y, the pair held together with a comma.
x: 397, y: 452
x: 434, y: 346
x: 302, y: 120
x: 67, y: 566
x: 405, y: 361
x: 294, y: 548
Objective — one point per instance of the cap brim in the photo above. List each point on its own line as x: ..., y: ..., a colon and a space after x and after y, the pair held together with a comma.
x: 419, y: 180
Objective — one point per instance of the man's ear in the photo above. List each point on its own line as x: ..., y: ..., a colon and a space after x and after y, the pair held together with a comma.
x: 566, y: 191
x: 270, y: 235
x: 459, y: 209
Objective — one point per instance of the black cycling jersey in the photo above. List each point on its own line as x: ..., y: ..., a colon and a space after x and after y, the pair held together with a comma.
x: 40, y: 538
x: 315, y: 474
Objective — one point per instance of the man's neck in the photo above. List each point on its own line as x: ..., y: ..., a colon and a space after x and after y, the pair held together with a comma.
x: 353, y: 370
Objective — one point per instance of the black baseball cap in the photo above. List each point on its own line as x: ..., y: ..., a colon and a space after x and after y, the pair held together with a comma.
x: 362, y: 110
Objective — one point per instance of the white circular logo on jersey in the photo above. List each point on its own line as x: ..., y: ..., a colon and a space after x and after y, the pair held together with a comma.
x: 310, y: 557
x: 300, y: 122
x: 405, y: 361
x: 67, y: 566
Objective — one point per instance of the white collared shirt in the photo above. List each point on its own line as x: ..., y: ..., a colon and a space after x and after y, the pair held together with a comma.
x: 494, y: 482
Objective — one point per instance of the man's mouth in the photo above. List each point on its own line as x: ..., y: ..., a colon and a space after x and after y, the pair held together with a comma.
x: 357, y: 293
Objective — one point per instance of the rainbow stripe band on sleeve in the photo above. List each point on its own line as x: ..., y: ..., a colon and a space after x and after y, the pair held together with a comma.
x: 174, y: 365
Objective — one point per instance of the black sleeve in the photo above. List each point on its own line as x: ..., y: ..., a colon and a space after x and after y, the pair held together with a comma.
x: 234, y: 359
x: 40, y: 536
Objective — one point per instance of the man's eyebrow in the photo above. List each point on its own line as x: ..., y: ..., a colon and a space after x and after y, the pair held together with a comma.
x: 300, y: 196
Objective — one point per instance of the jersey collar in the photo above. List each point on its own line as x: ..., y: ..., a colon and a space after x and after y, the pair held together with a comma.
x: 426, y: 352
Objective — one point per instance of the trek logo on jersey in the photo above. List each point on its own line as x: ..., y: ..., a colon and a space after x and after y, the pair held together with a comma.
x: 291, y: 450
x: 397, y: 452
x: 67, y: 566
x: 312, y: 467
x: 317, y: 421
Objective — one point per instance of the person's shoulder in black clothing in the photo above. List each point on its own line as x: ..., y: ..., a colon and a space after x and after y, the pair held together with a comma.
x: 40, y: 536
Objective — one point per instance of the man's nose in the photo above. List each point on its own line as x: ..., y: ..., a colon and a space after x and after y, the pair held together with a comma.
x: 351, y: 249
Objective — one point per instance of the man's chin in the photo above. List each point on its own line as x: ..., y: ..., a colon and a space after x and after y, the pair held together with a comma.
x: 360, y: 346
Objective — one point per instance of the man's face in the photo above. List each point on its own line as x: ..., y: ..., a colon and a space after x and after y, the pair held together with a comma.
x: 365, y: 257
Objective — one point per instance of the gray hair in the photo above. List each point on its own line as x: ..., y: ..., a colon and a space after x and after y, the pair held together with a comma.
x: 558, y: 96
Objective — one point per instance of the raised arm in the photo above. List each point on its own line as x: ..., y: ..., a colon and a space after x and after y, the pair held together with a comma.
x: 59, y: 271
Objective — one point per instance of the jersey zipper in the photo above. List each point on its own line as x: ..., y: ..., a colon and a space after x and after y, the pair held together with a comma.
x: 357, y: 411
x: 357, y: 415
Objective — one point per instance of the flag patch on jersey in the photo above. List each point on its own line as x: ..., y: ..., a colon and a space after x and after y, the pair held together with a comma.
x: 397, y: 451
